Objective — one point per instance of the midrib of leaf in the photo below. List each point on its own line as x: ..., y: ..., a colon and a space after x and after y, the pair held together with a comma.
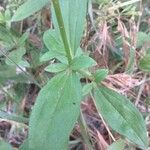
x: 122, y: 115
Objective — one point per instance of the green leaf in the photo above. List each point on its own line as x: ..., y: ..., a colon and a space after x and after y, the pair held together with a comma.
x: 131, y: 62
x: 6, y: 72
x: 142, y: 38
x: 24, y: 63
x: 15, y: 56
x: 55, y: 113
x: 28, y: 8
x: 35, y: 58
x: 100, y: 74
x: 56, y: 67
x: 144, y: 63
x: 19, y: 91
x: 74, y: 14
x: 121, y: 115
x: 53, y: 54
x: 2, y: 18
x: 5, y: 146
x: 5, y: 35
x: 48, y: 56
x: 53, y: 42
x: 82, y: 62
x: 22, y: 39
x: 117, y: 145
x: 79, y: 52
x: 13, y: 117
x: 87, y: 89
x: 21, y: 78
x: 9, y: 73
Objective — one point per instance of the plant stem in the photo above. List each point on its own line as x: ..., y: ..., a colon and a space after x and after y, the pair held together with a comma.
x: 84, y: 133
x: 60, y: 21
x: 62, y: 29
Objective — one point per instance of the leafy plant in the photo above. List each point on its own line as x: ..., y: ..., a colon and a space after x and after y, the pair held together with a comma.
x: 57, y: 107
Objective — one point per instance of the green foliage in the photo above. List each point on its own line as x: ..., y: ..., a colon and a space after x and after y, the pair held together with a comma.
x: 100, y: 75
x: 73, y: 13
x: 142, y: 38
x: 144, y: 63
x: 13, y: 117
x: 87, y: 89
x: 82, y: 62
x: 53, y: 42
x: 5, y: 35
x: 15, y: 56
x: 25, y: 145
x: 53, y: 54
x: 60, y: 97
x: 121, y: 115
x: 23, y: 39
x: 117, y: 145
x: 28, y: 8
x: 56, y: 67
x: 5, y: 71
x: 5, y: 146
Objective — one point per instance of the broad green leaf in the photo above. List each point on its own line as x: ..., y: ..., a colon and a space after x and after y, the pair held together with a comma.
x: 74, y: 15
x: 117, y: 145
x: 100, y: 74
x: 5, y: 146
x: 82, y: 62
x: 28, y: 8
x: 144, y: 63
x: 56, y: 67
x: 53, y: 42
x: 15, y: 56
x: 121, y: 115
x: 55, y: 113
